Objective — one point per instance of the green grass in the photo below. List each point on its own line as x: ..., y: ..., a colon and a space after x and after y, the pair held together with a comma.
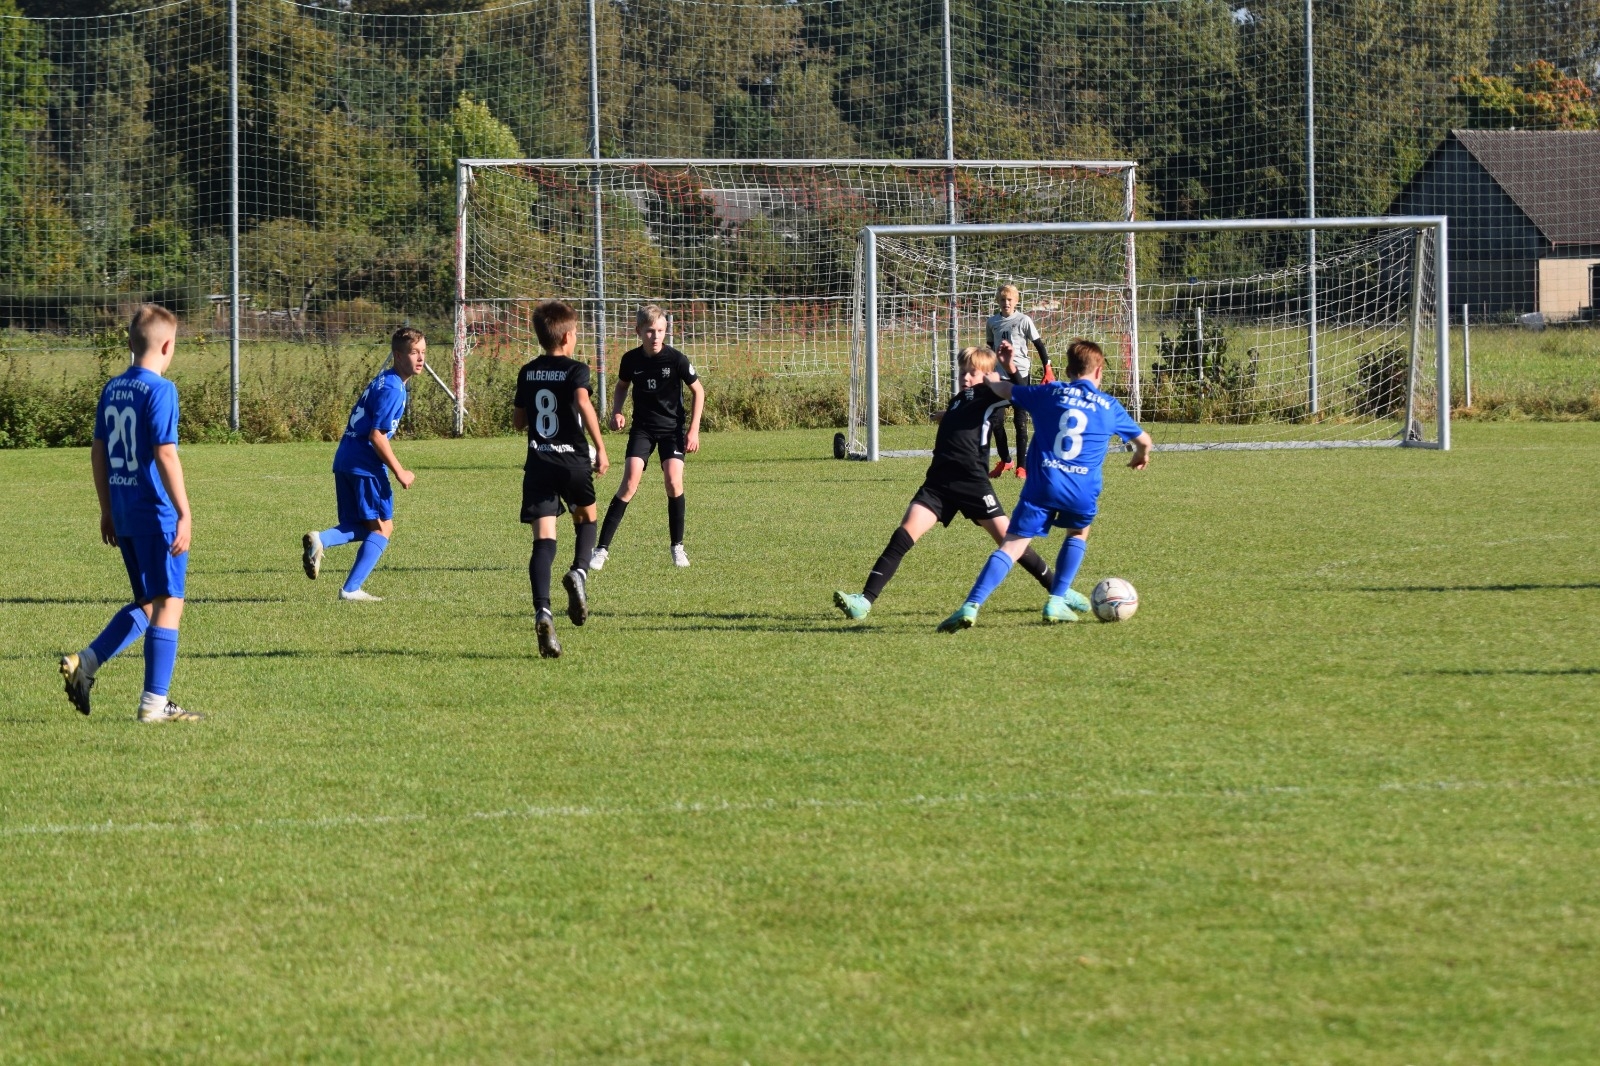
x: 1330, y: 796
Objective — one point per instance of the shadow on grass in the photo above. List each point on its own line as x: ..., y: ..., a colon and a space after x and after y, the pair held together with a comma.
x: 121, y: 600
x: 1569, y: 671
x: 362, y: 653
x: 1575, y: 585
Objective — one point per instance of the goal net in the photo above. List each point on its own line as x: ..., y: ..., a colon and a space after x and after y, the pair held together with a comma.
x: 1345, y: 353
x: 754, y: 261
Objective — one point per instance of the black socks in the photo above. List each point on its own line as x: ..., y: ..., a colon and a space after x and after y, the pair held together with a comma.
x: 539, y: 563
x: 614, y: 513
x: 1034, y: 564
x: 674, y: 518
x: 887, y: 564
x: 585, y: 547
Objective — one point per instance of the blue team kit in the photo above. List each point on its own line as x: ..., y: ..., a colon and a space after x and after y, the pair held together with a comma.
x: 360, y: 477
x: 138, y: 412
x: 1074, y: 423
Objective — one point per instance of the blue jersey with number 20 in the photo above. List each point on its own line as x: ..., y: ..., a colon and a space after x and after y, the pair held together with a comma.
x: 380, y: 407
x: 1073, y: 426
x: 138, y: 411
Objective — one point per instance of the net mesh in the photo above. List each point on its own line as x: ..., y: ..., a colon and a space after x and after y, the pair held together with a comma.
x: 114, y: 130
x: 1223, y: 360
x: 754, y: 263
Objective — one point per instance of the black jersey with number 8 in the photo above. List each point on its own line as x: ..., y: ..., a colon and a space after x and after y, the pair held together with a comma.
x: 547, y: 392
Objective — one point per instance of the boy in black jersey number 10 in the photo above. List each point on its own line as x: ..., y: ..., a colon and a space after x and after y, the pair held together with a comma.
x: 552, y: 404
x: 957, y: 483
x: 658, y: 372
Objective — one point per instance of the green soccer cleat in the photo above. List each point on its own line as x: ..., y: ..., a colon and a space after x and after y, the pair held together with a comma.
x: 962, y: 619
x: 854, y: 605
x: 78, y: 682
x: 1077, y: 601
x: 1058, y: 609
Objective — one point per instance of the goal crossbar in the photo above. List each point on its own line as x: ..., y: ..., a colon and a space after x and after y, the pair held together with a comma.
x: 1438, y: 225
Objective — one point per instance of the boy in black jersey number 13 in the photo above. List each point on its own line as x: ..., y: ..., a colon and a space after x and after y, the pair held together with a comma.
x: 552, y: 404
x: 658, y: 372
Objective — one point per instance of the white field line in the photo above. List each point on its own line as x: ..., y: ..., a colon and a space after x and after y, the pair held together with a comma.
x: 780, y: 806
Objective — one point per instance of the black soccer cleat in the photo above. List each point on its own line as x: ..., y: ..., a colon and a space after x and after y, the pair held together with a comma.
x: 77, y: 682
x: 549, y: 646
x: 576, y: 583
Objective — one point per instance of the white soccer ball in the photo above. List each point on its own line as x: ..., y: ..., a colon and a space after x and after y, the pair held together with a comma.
x: 1114, y: 600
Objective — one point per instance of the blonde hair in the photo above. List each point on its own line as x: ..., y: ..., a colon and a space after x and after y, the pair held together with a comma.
x: 977, y: 359
x: 647, y: 314
x: 1008, y: 287
x: 144, y: 323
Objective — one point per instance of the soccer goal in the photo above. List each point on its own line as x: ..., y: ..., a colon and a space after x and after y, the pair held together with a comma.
x: 1218, y: 359
x: 753, y: 260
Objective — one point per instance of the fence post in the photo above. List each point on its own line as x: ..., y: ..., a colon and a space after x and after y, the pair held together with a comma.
x: 599, y: 221
x: 1466, y: 355
x: 234, y: 316
x: 1315, y: 396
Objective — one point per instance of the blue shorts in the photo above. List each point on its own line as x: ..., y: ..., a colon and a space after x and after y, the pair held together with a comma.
x: 363, y: 499
x: 153, y: 570
x: 1032, y: 520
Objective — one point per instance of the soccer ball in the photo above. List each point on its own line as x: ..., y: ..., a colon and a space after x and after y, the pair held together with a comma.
x: 1114, y: 600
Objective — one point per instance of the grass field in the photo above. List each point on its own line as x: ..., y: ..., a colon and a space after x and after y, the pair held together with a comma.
x: 1330, y: 797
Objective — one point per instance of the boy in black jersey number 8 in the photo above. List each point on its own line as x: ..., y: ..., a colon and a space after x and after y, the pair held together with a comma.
x: 957, y: 483
x: 552, y: 404
x: 658, y: 372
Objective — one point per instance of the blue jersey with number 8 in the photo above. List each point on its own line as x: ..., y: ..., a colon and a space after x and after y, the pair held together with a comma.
x: 1073, y: 426
x: 138, y: 411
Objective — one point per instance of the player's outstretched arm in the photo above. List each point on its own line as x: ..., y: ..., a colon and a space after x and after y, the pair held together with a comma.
x: 698, y: 392
x: 591, y: 424
x: 102, y: 489
x: 385, y: 450
x: 172, y: 477
x: 1141, y: 452
x: 618, y: 420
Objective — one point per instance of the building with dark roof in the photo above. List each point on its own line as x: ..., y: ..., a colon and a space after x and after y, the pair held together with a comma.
x: 1524, y: 209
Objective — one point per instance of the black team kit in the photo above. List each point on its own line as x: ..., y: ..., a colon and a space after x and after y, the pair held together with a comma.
x: 558, y: 474
x: 957, y: 483
x: 657, y: 382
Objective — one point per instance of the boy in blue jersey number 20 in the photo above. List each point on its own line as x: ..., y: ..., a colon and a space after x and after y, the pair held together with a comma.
x: 1073, y: 425
x: 361, y: 469
x: 144, y: 513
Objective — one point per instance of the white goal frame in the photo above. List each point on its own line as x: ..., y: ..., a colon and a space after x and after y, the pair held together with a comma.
x: 1127, y: 169
x: 1438, y: 224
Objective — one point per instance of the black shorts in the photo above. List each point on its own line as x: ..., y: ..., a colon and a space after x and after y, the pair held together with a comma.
x: 669, y: 444
x: 975, y: 500
x: 547, y: 486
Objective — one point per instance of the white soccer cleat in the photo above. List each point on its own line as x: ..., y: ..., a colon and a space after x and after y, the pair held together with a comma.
x: 597, y: 561
x: 170, y: 713
x: 679, y: 556
x: 359, y: 596
x: 311, y: 554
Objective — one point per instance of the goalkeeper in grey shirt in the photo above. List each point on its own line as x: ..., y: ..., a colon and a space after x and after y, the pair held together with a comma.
x: 1009, y: 332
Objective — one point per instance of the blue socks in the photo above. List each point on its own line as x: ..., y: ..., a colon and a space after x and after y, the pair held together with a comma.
x: 367, y: 557
x: 994, y: 571
x: 125, y: 627
x: 340, y: 534
x: 160, y: 656
x: 1067, y: 563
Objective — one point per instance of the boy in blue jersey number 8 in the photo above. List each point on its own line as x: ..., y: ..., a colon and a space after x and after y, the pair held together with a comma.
x: 144, y: 512
x: 361, y: 467
x: 1074, y: 422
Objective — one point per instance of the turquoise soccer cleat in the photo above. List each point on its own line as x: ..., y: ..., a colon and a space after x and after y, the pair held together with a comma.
x: 962, y: 619
x: 854, y: 605
x: 1058, y: 609
x: 1077, y: 601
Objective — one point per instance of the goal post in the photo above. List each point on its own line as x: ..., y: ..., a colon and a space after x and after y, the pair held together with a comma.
x: 754, y: 260
x: 1234, y: 366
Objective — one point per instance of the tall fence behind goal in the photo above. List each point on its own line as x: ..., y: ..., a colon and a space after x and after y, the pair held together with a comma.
x: 753, y: 260
x: 1219, y: 360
